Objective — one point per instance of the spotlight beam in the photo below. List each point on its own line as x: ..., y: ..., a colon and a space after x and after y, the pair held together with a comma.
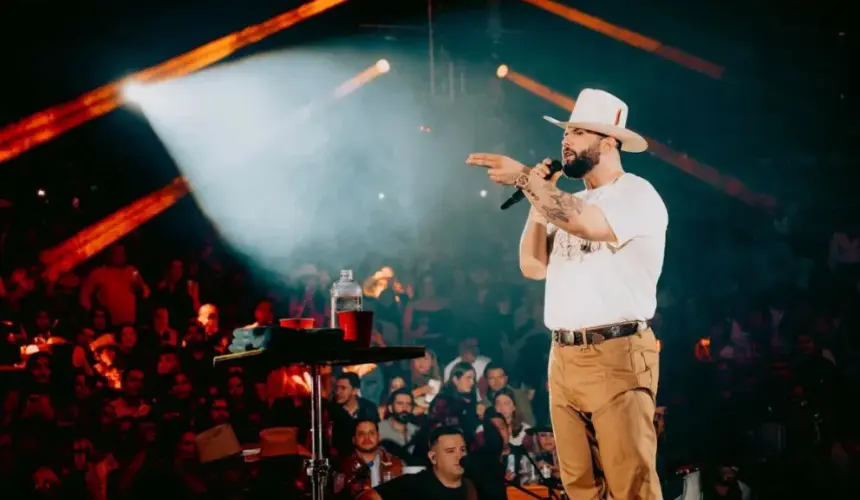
x: 43, y: 126
x: 701, y: 171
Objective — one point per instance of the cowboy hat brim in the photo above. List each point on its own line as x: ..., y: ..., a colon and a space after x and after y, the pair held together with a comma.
x: 631, y: 142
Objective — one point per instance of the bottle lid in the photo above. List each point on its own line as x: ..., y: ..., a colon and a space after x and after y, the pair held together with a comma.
x: 346, y: 274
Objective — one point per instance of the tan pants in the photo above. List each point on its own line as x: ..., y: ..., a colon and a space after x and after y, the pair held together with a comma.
x: 602, y: 399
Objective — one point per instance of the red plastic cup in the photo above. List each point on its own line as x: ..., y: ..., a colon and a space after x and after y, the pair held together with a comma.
x: 357, y: 326
x: 297, y: 323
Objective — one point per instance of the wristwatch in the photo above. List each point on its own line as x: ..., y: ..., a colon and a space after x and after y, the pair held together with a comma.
x: 522, y: 180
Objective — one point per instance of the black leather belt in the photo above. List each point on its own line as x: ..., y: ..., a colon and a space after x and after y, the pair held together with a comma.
x: 598, y: 334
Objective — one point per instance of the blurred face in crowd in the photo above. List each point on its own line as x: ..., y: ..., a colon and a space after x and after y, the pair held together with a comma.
x: 168, y: 362
x: 726, y: 475
x: 43, y: 321
x: 423, y: 364
x: 469, y: 350
x: 219, y: 412
x: 160, y: 318
x: 208, y: 317
x: 107, y: 416
x: 505, y: 405
x: 186, y: 449
x: 428, y: 287
x: 496, y: 379
x: 366, y: 438
x: 465, y: 383
x: 46, y: 483
x: 40, y: 369
x: 82, y: 387
x: 117, y: 256
x: 148, y: 431
x: 344, y: 392
x: 263, y: 314
x: 546, y: 441
x: 85, y: 336
x: 235, y: 387
x: 128, y: 337
x: 181, y: 386
x: 176, y: 270
x: 396, y: 384
x: 445, y: 455
x: 401, y: 408
x: 99, y: 320
x: 133, y: 384
x: 479, y: 277
x: 806, y: 344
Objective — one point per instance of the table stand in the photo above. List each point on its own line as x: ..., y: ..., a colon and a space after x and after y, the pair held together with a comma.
x: 317, y: 466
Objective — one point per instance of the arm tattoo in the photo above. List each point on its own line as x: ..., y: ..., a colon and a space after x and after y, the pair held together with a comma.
x: 553, y: 203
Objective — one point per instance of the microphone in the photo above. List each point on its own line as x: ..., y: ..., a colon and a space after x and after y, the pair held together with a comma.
x: 518, y: 195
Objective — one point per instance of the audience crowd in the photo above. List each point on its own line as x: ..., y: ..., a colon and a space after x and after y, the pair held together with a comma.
x: 109, y: 390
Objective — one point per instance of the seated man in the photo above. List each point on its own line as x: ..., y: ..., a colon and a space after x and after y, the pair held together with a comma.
x: 396, y: 431
x: 444, y: 480
x: 369, y: 465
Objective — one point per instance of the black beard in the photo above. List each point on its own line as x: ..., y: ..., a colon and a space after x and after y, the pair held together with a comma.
x: 584, y: 163
x: 402, y: 417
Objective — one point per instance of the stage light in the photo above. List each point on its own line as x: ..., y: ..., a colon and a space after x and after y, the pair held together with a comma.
x: 483, y: 193
x: 502, y: 71
x: 382, y: 66
x: 40, y: 193
x: 133, y: 92
x: 381, y: 196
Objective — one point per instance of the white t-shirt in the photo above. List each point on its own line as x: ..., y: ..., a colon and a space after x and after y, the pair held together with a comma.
x: 591, y: 283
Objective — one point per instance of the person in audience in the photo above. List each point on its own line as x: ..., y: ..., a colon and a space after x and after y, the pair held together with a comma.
x: 116, y: 286
x: 469, y: 353
x: 506, y: 406
x: 397, y: 428
x: 369, y: 465
x: 444, y: 479
x: 426, y: 379
x: 346, y: 395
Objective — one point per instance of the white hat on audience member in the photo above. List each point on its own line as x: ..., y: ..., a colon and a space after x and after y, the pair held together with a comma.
x: 281, y: 441
x: 601, y: 112
x: 217, y: 443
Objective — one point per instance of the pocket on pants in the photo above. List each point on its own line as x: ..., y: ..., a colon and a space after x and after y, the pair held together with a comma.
x: 646, y: 362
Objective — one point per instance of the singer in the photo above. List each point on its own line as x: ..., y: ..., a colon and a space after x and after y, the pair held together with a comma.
x: 601, y: 253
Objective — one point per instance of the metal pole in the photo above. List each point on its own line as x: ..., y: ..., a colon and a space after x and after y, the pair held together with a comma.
x: 430, y: 47
x: 317, y: 466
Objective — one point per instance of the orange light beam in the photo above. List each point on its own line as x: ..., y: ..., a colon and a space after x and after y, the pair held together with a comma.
x: 83, y: 237
x: 702, y: 171
x: 367, y: 75
x: 632, y: 38
x: 45, y: 125
x: 115, y: 226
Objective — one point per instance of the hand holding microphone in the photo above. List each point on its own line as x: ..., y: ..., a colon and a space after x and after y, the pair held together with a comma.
x: 504, y: 170
x: 548, y: 169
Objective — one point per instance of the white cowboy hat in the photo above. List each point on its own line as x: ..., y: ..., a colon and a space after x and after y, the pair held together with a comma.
x: 217, y: 443
x: 281, y: 441
x: 602, y: 112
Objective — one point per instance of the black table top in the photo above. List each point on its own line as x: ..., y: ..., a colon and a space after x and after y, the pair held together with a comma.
x: 336, y: 355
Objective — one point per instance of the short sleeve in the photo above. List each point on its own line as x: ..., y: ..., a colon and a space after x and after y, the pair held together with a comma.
x: 634, y: 210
